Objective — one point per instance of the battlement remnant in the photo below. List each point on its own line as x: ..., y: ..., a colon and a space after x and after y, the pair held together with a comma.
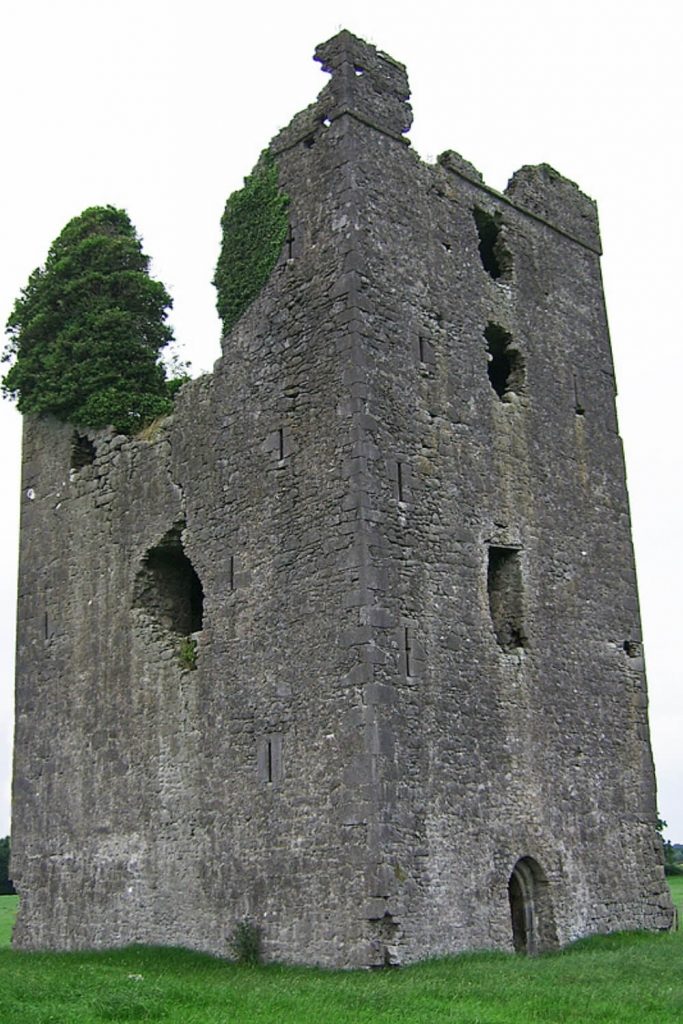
x: 346, y: 647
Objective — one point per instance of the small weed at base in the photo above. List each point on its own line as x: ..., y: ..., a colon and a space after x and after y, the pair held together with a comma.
x: 187, y: 653
x: 245, y: 943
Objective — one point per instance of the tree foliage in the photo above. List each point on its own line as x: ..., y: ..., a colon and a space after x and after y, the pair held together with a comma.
x: 87, y: 331
x: 6, y: 887
x: 254, y: 230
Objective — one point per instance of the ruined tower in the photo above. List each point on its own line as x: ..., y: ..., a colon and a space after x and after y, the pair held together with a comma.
x: 410, y: 717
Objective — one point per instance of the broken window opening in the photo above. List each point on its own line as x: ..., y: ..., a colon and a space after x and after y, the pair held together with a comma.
x: 504, y: 584
x: 168, y: 588
x: 83, y: 451
x: 506, y: 366
x: 495, y: 257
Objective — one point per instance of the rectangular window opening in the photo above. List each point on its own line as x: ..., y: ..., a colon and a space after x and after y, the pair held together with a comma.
x: 399, y: 480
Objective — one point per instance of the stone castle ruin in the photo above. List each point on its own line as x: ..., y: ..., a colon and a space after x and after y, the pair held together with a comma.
x: 350, y: 646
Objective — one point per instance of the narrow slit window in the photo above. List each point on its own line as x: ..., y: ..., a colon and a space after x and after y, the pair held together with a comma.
x: 506, y: 367
x: 281, y: 444
x: 269, y: 758
x: 578, y: 404
x: 400, y: 481
x: 408, y: 652
x: 504, y: 584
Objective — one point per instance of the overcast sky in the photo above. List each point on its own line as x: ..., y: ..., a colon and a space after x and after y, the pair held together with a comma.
x: 162, y: 107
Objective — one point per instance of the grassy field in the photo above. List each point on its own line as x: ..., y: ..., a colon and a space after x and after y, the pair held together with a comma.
x: 8, y: 910
x: 618, y: 979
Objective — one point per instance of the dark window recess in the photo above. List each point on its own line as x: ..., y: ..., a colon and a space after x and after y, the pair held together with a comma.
x: 506, y: 366
x: 400, y: 483
x: 83, y: 451
x: 168, y: 588
x: 495, y: 257
x: 280, y: 444
x: 504, y: 583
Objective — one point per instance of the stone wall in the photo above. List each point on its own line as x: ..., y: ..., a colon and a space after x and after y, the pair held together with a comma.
x: 393, y: 523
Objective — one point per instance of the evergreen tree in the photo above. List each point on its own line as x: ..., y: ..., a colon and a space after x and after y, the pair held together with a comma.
x: 6, y: 887
x: 87, y: 331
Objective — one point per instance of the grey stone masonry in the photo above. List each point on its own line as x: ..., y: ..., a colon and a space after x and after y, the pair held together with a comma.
x: 349, y: 646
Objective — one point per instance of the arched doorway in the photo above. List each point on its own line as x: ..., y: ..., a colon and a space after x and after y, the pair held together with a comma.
x: 533, y: 923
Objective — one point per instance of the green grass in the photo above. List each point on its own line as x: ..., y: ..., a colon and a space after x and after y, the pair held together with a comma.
x: 676, y: 886
x: 618, y: 979
x: 8, y: 911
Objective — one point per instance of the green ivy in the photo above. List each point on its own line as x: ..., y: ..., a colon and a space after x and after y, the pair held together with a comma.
x: 254, y: 227
x: 88, y: 329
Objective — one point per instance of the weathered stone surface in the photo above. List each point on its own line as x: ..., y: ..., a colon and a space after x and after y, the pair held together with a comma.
x: 418, y: 698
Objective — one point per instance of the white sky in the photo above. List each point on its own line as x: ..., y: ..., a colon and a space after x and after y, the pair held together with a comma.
x: 162, y: 107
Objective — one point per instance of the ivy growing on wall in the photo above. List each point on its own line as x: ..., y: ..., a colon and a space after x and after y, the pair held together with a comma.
x: 88, y: 329
x: 254, y: 227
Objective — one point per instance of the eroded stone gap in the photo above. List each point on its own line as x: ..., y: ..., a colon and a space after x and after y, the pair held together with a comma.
x: 168, y: 587
x: 83, y: 451
x: 506, y: 366
x: 504, y: 583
